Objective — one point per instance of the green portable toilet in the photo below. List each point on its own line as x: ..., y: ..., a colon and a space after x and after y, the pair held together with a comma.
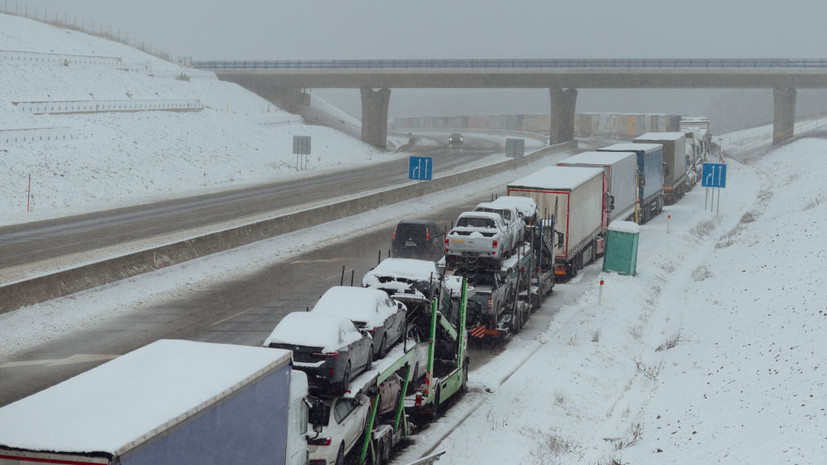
x: 621, y: 247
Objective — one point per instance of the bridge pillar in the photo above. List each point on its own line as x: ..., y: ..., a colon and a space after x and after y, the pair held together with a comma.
x: 783, y: 114
x: 563, y: 102
x: 375, y: 116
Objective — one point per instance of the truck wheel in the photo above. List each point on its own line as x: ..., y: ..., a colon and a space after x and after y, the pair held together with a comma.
x: 518, y: 321
x: 340, y: 456
x: 383, y: 347
x: 369, y: 365
x: 435, y: 405
x: 464, y: 386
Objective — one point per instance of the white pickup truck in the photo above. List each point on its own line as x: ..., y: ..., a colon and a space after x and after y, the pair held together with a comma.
x: 477, y: 237
x: 512, y: 219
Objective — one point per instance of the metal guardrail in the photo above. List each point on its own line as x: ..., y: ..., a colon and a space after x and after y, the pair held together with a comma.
x: 486, y: 64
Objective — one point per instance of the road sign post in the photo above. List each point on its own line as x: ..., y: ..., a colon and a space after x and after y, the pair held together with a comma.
x: 714, y: 176
x: 420, y: 168
x: 301, y: 147
x: 514, y: 148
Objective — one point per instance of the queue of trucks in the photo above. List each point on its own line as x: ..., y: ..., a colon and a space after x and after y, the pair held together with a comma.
x: 183, y: 402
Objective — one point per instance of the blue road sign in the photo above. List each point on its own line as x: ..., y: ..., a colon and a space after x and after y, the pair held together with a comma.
x: 419, y: 168
x: 713, y: 175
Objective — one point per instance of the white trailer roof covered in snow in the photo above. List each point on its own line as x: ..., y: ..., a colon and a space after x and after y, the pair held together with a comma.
x: 557, y: 177
x: 661, y: 136
x: 120, y: 404
x: 632, y: 147
x: 596, y: 158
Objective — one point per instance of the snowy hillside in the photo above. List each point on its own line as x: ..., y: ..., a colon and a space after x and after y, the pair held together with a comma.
x: 85, y: 159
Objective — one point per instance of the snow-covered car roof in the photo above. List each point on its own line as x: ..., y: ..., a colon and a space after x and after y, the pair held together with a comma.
x: 525, y: 205
x: 481, y: 215
x: 150, y: 389
x: 403, y: 270
x: 495, y: 217
x: 314, y: 330
x: 494, y: 206
x: 360, y: 304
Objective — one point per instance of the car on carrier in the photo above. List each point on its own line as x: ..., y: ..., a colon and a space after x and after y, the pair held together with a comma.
x: 370, y: 309
x: 404, y: 276
x: 478, y: 237
x: 338, y: 424
x: 525, y: 206
x: 417, y: 239
x: 512, y: 219
x: 329, y: 348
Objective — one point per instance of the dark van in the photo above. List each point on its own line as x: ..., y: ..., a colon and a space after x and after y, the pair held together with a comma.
x: 417, y: 238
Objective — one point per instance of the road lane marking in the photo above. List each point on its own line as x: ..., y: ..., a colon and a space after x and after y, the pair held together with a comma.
x: 230, y: 317
x: 322, y: 260
x: 77, y: 358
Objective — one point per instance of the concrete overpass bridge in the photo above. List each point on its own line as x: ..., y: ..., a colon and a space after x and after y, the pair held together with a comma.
x: 284, y: 81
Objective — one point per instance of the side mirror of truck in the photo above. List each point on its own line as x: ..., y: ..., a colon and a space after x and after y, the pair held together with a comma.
x: 560, y: 238
x: 666, y: 170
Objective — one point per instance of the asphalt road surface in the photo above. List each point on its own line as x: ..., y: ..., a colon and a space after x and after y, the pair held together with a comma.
x: 35, y: 242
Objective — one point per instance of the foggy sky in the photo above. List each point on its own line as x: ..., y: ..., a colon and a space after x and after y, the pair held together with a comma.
x: 376, y: 29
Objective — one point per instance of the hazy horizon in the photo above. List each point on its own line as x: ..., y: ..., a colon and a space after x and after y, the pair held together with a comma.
x: 372, y: 29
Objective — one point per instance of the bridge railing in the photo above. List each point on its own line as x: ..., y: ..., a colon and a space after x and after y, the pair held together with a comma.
x: 488, y: 64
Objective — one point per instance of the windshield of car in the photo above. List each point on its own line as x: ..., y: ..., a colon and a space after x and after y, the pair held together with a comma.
x: 343, y: 408
x: 409, y: 230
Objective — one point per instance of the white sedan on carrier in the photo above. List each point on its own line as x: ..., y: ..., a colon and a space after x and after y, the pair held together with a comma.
x: 371, y: 309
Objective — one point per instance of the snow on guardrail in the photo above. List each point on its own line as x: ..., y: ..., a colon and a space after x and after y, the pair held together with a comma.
x: 62, y: 59
x: 95, y: 61
x: 185, y: 74
x: 102, y: 106
x: 9, y: 137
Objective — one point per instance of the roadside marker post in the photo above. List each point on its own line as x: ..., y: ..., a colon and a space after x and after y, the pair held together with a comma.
x: 600, y: 294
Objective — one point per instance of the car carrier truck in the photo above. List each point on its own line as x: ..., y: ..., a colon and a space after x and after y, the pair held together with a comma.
x: 574, y: 196
x: 444, y: 364
x: 170, y: 402
x: 506, y: 291
x: 650, y: 177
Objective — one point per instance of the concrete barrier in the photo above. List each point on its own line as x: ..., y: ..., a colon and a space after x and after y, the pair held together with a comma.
x: 62, y: 283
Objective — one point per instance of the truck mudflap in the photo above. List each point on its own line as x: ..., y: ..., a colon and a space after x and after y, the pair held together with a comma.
x: 481, y: 331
